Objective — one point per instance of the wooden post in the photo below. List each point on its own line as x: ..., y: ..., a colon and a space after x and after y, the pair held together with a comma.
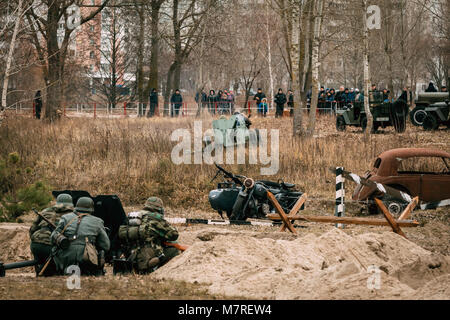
x: 281, y: 212
x: 407, y: 212
x: 295, y: 209
x: 347, y: 220
x: 390, y: 218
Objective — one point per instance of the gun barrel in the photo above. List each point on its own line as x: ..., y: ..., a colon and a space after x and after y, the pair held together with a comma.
x: 16, y: 265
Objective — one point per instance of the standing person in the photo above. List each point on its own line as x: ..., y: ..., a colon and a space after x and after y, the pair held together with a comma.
x: 85, y: 232
x: 40, y: 232
x: 291, y: 102
x: 351, y: 95
x: 264, y: 107
x: 153, y: 103
x: 431, y: 88
x: 224, y: 102
x: 177, y: 101
x: 259, y: 96
x: 339, y: 97
x: 280, y: 100
x: 230, y: 99
x: 38, y: 104
x: 212, y: 101
x: 374, y: 88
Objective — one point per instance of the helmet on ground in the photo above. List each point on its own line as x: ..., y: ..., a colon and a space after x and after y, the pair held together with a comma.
x: 65, y: 199
x: 85, y: 205
x: 154, y: 203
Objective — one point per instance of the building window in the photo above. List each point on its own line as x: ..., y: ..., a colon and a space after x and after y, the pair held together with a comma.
x: 91, y: 28
x: 92, y: 2
x: 92, y: 42
x: 91, y: 55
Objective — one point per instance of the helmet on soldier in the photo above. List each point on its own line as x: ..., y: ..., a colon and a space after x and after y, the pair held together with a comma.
x: 65, y: 199
x: 154, y: 203
x: 85, y: 205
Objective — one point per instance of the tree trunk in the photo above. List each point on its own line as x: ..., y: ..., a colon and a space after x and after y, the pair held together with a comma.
x: 315, y: 65
x: 9, y: 59
x: 140, y: 63
x: 366, y: 69
x: 154, y: 56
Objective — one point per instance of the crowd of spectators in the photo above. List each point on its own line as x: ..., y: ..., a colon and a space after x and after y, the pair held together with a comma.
x: 221, y: 103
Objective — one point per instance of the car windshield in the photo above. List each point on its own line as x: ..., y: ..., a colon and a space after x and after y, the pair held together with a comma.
x: 424, y: 165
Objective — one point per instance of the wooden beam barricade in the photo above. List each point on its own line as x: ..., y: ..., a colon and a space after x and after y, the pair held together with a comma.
x: 407, y: 212
x: 346, y: 220
x: 281, y: 212
x: 390, y: 219
x: 295, y: 209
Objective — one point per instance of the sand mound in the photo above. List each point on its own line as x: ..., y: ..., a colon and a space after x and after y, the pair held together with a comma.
x: 330, y: 266
x: 14, y: 242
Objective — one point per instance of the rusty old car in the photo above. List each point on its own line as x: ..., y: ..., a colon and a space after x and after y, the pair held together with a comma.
x: 421, y: 172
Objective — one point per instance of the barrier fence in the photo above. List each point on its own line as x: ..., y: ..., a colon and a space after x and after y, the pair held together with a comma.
x: 133, y: 109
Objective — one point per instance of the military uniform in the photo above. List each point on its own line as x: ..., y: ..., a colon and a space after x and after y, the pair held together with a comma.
x: 40, y: 231
x: 149, y: 252
x: 79, y: 227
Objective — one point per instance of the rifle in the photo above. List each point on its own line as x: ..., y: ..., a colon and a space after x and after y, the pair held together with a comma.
x: 176, y: 245
x: 52, y: 226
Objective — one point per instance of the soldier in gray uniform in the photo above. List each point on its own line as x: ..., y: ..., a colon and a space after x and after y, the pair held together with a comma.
x: 40, y: 231
x: 87, y: 236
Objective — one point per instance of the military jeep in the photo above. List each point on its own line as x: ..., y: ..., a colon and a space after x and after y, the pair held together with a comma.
x: 437, y: 114
x: 384, y: 114
x: 424, y: 100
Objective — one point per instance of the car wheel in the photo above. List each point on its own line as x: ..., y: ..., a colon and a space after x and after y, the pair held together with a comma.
x: 430, y: 123
x: 340, y: 123
x: 394, y: 206
x: 417, y: 116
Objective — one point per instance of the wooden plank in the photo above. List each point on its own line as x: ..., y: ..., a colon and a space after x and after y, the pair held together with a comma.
x: 407, y: 212
x: 346, y: 220
x: 281, y: 212
x: 295, y: 209
x: 389, y: 218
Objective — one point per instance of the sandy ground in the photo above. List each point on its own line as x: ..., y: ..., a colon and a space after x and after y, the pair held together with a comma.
x: 321, y: 262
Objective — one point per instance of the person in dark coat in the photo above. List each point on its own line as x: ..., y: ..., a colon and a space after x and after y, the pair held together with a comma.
x: 38, y: 104
x: 259, y: 96
x: 212, y: 101
x: 177, y: 101
x: 280, y: 101
x: 153, y: 103
x: 431, y: 88
x: 291, y: 102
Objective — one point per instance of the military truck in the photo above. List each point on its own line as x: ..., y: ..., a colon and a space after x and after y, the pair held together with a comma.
x: 436, y: 114
x: 384, y: 114
x: 424, y: 100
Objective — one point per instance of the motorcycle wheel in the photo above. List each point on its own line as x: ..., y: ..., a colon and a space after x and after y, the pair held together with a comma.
x: 236, y: 213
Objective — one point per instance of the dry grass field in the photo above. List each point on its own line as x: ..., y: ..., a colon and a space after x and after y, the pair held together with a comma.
x: 132, y: 157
